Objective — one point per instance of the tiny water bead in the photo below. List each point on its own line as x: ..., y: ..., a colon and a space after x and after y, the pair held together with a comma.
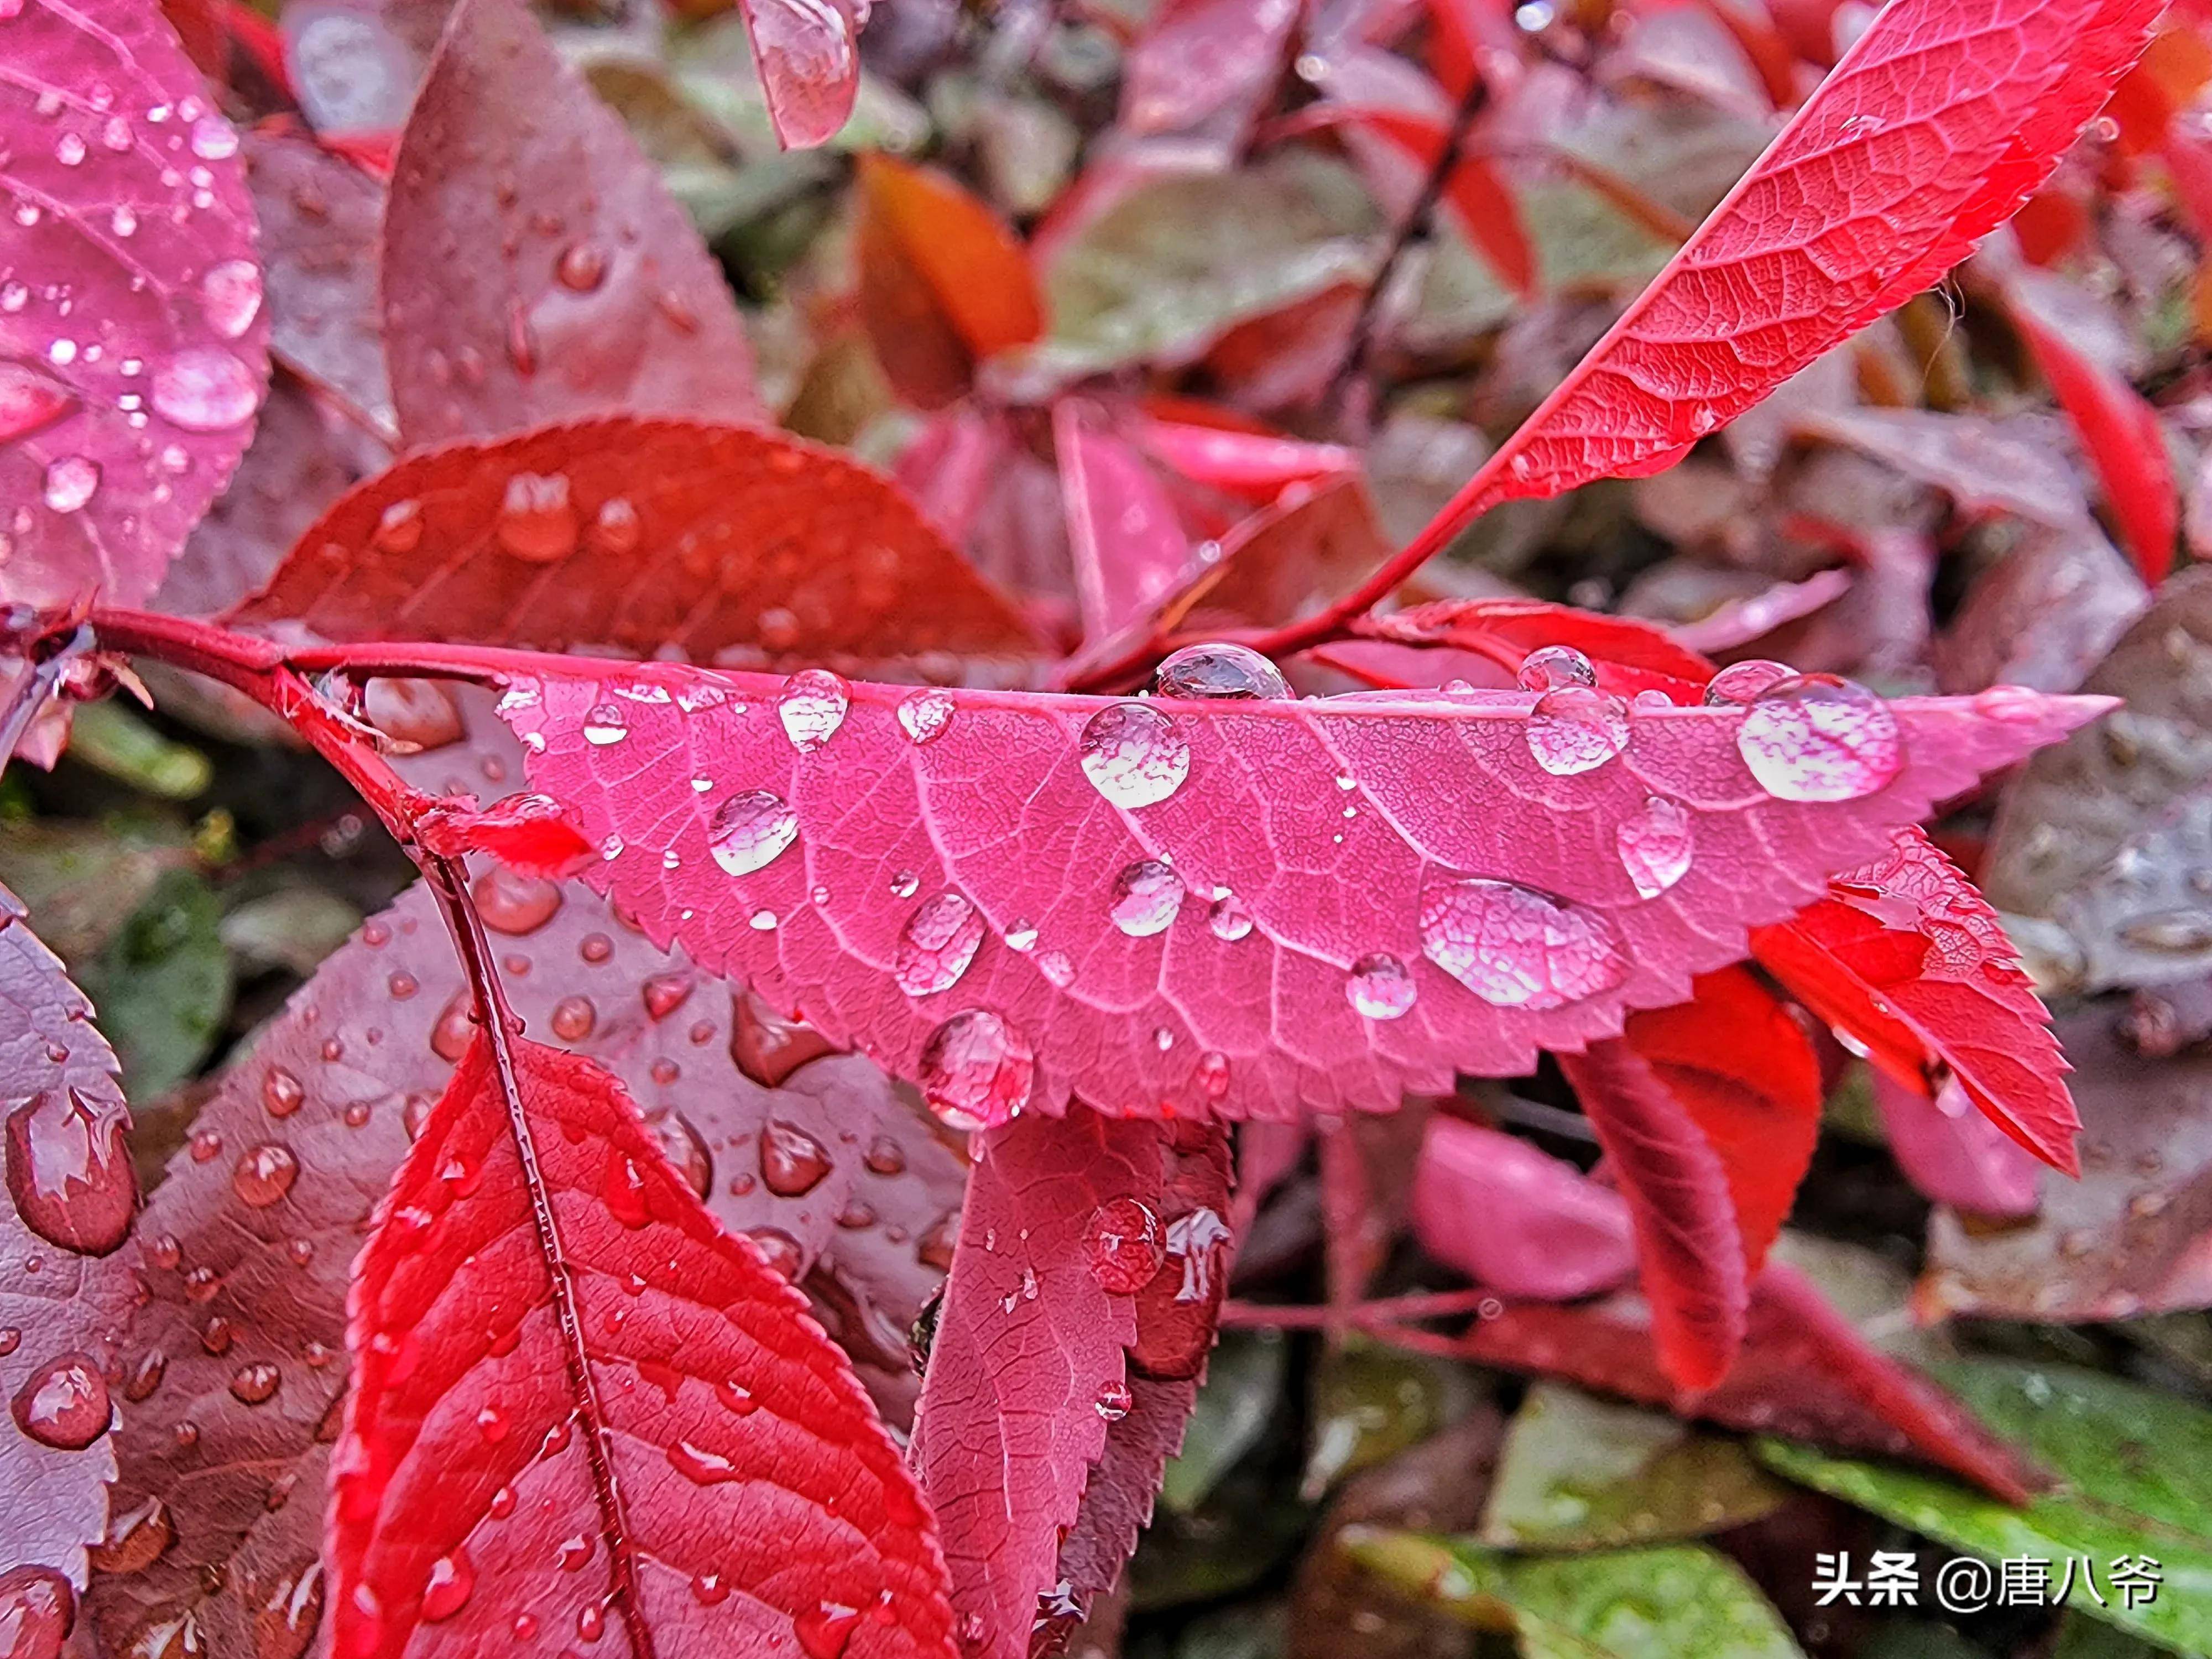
x: 811, y: 707
x: 1147, y: 894
x: 1517, y: 948
x: 1656, y: 843
x: 937, y: 942
x: 1816, y: 737
x: 1555, y: 668
x: 1221, y: 672
x: 536, y: 521
x: 977, y: 1071
x: 750, y: 831
x: 1228, y: 918
x: 923, y: 715
x: 605, y: 723
x: 1379, y: 987
x: 1133, y: 755
x: 1124, y: 1246
x: 1574, y: 730
x: 1740, y: 681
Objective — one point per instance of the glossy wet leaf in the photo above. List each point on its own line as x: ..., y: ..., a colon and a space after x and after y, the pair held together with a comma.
x: 1509, y: 1215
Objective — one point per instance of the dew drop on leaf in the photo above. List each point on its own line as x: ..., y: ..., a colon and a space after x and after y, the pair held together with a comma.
x: 252, y: 1384
x: 280, y: 1092
x: 214, y: 139
x: 793, y: 1162
x: 230, y: 296
x: 923, y: 715
x: 581, y: 267
x: 1816, y: 737
x: 1146, y: 896
x: 135, y: 1540
x: 976, y: 1070
x: 29, y: 400
x: 1740, y: 682
x: 605, y: 723
x: 1195, y: 1240
x: 146, y: 1375
x: 69, y: 1171
x: 37, y: 1607
x: 70, y: 482
x: 536, y: 521
x: 204, y: 389
x: 749, y: 831
x: 1222, y: 672
x: 709, y: 1590
x: 1212, y: 1074
x: 265, y: 1175
x: 1379, y: 987
x: 1229, y: 918
x: 1134, y: 755
x: 1123, y: 1244
x: 1655, y: 843
x: 811, y: 707
x: 574, y: 1018
x: 1055, y: 966
x: 399, y: 528
x: 2013, y: 704
x: 1555, y: 668
x: 937, y: 944
x: 64, y: 1404
x: 515, y: 904
x: 779, y: 1250
x: 1114, y: 1401
x: 1517, y: 948
x: 826, y: 1631
x: 615, y: 529
x: 452, y: 1580
x: 1574, y: 729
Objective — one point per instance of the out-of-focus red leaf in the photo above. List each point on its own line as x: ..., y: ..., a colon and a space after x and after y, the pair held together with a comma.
x: 944, y: 283
x: 1061, y: 884
x: 1688, y: 1247
x: 1936, y: 125
x: 1763, y: 44
x: 133, y: 342
x: 1199, y: 61
x: 809, y: 58
x: 2044, y: 616
x: 535, y: 267
x: 1630, y: 655
x: 547, y: 1315
x: 1255, y: 466
x: 69, y: 1202
x: 1804, y: 1372
x: 2118, y: 429
x: 1741, y: 622
x: 1984, y: 465
x: 1287, y: 559
x: 1952, y: 1153
x: 951, y: 468
x: 2173, y: 71
x: 1742, y: 1068
x: 1517, y: 1220
x: 1129, y: 549
x: 1367, y: 1166
x: 643, y: 534
x: 355, y: 66
x: 200, y: 32
x: 1906, y: 958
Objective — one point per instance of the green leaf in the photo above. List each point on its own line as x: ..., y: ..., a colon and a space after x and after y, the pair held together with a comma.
x: 293, y: 928
x: 1243, y: 1382
x: 1579, y: 1473
x: 82, y: 880
x: 1668, y: 1601
x: 1371, y: 1403
x: 2131, y: 1466
x: 110, y: 738
x: 162, y: 986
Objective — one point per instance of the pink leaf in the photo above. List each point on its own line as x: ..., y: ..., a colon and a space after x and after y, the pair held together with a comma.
x: 1254, y: 464
x: 70, y: 1198
x: 1199, y: 58
x: 535, y: 267
x: 1231, y: 907
x: 1517, y: 1219
x: 547, y: 1323
x: 809, y: 60
x: 1130, y: 549
x: 1937, y: 124
x: 1952, y: 1153
x: 133, y: 346
x: 1630, y: 655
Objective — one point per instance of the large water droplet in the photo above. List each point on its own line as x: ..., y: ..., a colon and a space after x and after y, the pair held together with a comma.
x: 537, y: 520
x: 1146, y: 896
x: 30, y: 398
x: 69, y: 1170
x: 793, y: 1162
x: 36, y: 1606
x: 811, y: 707
x: 1114, y: 1401
x: 939, y: 942
x: 282, y: 1092
x: 71, y: 481
x: 1223, y: 671
x: 204, y: 389
x: 1124, y: 1245
x: 452, y: 1580
x: 214, y: 139
x: 1740, y: 682
x: 573, y: 1019
x: 826, y: 1631
x: 1816, y: 737
x: 1380, y: 986
x: 1133, y: 755
x: 135, y: 1540
x: 515, y: 904
x: 1555, y: 668
x: 1229, y: 918
x: 64, y: 1404
x: 1574, y: 729
x: 748, y: 831
x: 605, y: 723
x: 1655, y: 843
x: 923, y: 715
x: 265, y: 1175
x: 977, y: 1071
x: 230, y: 296
x: 1516, y: 948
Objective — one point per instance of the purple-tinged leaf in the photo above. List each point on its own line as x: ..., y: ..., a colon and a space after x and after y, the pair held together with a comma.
x: 2045, y: 615
x: 808, y: 61
x: 1985, y: 465
x: 1529, y: 1225
x: 1953, y: 1154
x: 1206, y: 63
x: 1129, y: 549
x: 133, y: 342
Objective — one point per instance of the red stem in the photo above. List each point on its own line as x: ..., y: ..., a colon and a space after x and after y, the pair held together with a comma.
x: 1388, y: 1311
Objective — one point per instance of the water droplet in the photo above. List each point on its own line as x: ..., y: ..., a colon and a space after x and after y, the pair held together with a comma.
x: 811, y: 707
x: 230, y: 296
x: 36, y: 1606
x: 1555, y: 668
x: 145, y: 1377
x: 1146, y: 896
x: 925, y: 714
x: 1055, y: 966
x: 204, y: 389
x: 581, y: 267
x: 1379, y: 987
x: 456, y: 1028
x: 748, y: 832
x: 1123, y: 1240
x: 937, y: 942
x: 615, y: 530
x: 1655, y: 843
x: 135, y: 1540
x: 1021, y: 935
x: 574, y: 1018
x: 1816, y: 737
x: 399, y: 528
x: 1195, y: 1240
x: 885, y: 1157
x: 2015, y: 705
x: 779, y: 1250
x: 536, y: 521
x: 1226, y: 672
x: 1740, y: 682
x: 1212, y: 1074
x: 280, y: 1092
x: 575, y: 1551
x: 29, y: 400
x: 1114, y: 1401
x: 64, y: 1404
x: 1514, y: 947
x: 1574, y: 729
x: 590, y: 1622
x: 70, y: 482
x: 452, y: 1579
x: 252, y: 1384
x: 204, y: 1144
x: 1133, y: 755
x: 793, y: 1162
x: 214, y: 139
x: 826, y: 1631
x: 762, y: 922
x: 69, y: 1170
x: 1228, y: 918
x: 70, y: 149
x: 604, y: 723
x: 515, y: 904
x: 265, y: 1175
x: 709, y: 1590
x: 976, y: 1070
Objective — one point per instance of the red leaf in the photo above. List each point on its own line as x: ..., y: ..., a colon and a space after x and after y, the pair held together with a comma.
x: 1687, y: 1244
x: 1804, y: 1373
x: 808, y: 61
x: 133, y: 347
x: 1515, y: 1218
x: 546, y: 1305
x: 1254, y: 464
x: 1740, y: 1065
x: 1909, y: 960
x: 1286, y: 559
x: 1061, y: 884
x: 643, y: 535
x: 2117, y: 428
x: 70, y: 1198
x: 1198, y: 59
x: 1630, y: 655
x: 535, y: 267
x: 1129, y: 549
x: 532, y: 835
x: 944, y: 283
x: 1936, y: 126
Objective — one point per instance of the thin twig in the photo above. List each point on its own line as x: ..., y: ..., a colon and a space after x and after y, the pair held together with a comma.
x: 1364, y: 1316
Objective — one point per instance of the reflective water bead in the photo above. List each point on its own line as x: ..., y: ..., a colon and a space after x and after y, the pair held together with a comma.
x: 1554, y: 668
x: 1514, y: 947
x: 1816, y: 737
x: 1133, y: 755
x: 1224, y: 673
